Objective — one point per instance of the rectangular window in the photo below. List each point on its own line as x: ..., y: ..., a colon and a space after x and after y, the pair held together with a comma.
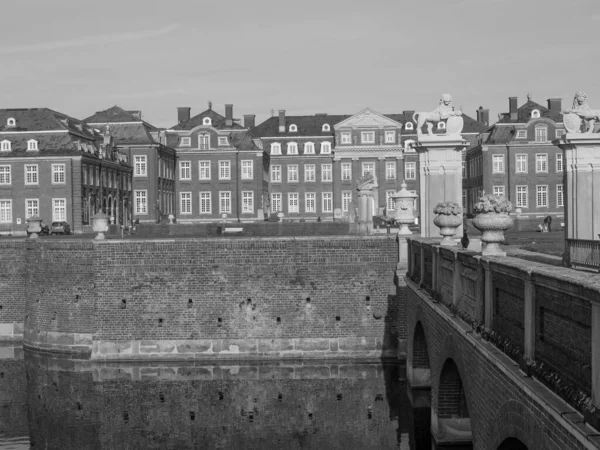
x: 346, y: 171
x: 185, y: 202
x: 390, y: 137
x: 32, y: 207
x: 309, y: 148
x: 559, y: 133
x: 293, y: 202
x: 464, y: 198
x: 327, y: 202
x: 205, y: 203
x: 141, y: 202
x: 203, y: 141
x: 276, y: 202
x: 185, y: 142
x: 541, y: 162
x: 140, y: 167
x: 276, y: 174
x: 58, y: 174
x: 390, y: 170
x: 368, y: 168
x: 559, y: 162
x: 309, y: 172
x: 499, y: 190
x: 5, y: 211
x: 521, y: 163
x: 275, y: 149
x: 185, y: 170
x: 542, y: 196
x: 498, y: 164
x: 346, y: 138
x: 326, y: 172
x: 310, y: 202
x: 223, y: 140
x: 247, y: 169
x: 292, y: 148
x: 31, y: 174
x: 225, y: 202
x: 541, y: 134
x: 521, y: 134
x: 247, y: 201
x: 521, y: 196
x: 224, y: 170
x: 389, y: 201
x: 5, y: 175
x: 204, y: 170
x: 292, y: 173
x: 367, y: 137
x: 59, y: 209
x: 560, y: 197
x: 410, y: 171
x: 346, y: 200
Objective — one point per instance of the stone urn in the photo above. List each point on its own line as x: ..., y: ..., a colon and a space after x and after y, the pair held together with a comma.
x: 171, y: 218
x: 448, y: 219
x: 34, y: 226
x: 404, y: 202
x: 100, y: 224
x: 492, y: 226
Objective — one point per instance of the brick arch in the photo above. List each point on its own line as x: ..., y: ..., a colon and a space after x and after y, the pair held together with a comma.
x: 512, y: 444
x: 452, y: 399
x: 514, y: 422
x: 420, y: 354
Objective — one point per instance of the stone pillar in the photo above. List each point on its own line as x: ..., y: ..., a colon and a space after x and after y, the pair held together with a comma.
x: 435, y: 252
x: 456, y: 280
x: 440, y: 169
x: 581, y: 184
x: 403, y: 255
x: 529, y: 318
x: 422, y: 261
x: 411, y: 271
x: 596, y: 354
x: 488, y: 296
x: 363, y: 205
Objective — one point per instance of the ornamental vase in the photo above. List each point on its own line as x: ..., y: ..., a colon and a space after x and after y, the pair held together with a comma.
x: 447, y: 225
x: 492, y: 226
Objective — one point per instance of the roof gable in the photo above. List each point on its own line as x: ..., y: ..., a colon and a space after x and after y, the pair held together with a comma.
x: 367, y: 118
x: 524, y: 113
x: 216, y: 119
x: 115, y: 114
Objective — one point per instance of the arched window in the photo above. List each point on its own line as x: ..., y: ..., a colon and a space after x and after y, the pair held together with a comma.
x: 325, y: 148
x: 11, y: 122
x: 32, y: 144
x: 292, y: 148
x: 408, y: 126
x: 326, y: 127
x: 293, y: 128
x: 535, y: 114
x: 5, y: 145
x: 275, y: 148
x: 441, y: 126
x: 206, y: 121
x: 309, y: 148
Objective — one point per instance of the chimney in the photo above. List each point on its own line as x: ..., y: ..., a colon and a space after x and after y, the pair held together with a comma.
x: 483, y: 116
x: 512, y: 107
x: 282, y: 120
x: 229, y: 115
x: 249, y: 120
x: 183, y: 114
x: 555, y: 104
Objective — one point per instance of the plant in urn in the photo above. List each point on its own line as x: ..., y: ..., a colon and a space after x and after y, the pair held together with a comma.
x: 448, y: 219
x: 492, y: 220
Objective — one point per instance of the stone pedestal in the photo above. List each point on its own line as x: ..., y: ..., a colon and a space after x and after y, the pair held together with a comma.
x: 365, y: 208
x: 581, y: 184
x: 440, y: 165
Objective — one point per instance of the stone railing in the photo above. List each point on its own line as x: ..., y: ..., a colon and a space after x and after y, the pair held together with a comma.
x: 583, y: 253
x: 546, y: 318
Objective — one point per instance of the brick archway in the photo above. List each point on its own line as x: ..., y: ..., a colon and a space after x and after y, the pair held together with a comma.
x: 512, y: 444
x: 419, y: 369
x: 514, y: 422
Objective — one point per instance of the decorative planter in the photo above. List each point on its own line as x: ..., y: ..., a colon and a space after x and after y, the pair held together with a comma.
x: 493, y: 226
x: 34, y: 226
x: 171, y: 218
x: 100, y: 224
x: 447, y: 223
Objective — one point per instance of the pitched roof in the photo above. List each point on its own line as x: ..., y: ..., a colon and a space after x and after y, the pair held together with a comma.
x: 43, y: 119
x: 524, y: 113
x: 217, y: 121
x: 131, y: 133
x: 307, y: 125
x: 243, y: 140
x: 59, y: 144
x: 115, y: 114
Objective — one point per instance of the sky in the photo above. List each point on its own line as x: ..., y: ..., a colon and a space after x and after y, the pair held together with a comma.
x: 307, y: 57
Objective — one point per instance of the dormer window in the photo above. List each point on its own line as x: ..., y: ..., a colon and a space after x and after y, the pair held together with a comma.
x: 325, y: 148
x: 521, y: 134
x: 185, y: 142
x: 541, y: 134
x: 326, y: 127
x: 5, y: 146
x: 276, y: 148
x: 390, y: 137
x: 11, y: 122
x: 223, y: 140
x: 206, y: 121
x: 309, y: 148
x: 292, y: 148
x: 32, y: 144
x: 535, y: 114
x: 441, y: 126
x: 408, y: 126
x: 293, y: 128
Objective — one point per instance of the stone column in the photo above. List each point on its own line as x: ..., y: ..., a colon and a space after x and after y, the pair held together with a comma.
x: 363, y: 205
x: 581, y: 184
x: 434, y: 269
x: 440, y: 169
x: 456, y: 280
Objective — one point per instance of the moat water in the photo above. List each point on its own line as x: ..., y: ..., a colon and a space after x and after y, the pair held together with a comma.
x: 56, y: 403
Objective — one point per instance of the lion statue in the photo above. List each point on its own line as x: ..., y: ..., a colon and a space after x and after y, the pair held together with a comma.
x: 442, y: 112
x: 581, y: 108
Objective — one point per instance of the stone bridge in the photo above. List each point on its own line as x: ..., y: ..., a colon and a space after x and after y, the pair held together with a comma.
x: 494, y: 343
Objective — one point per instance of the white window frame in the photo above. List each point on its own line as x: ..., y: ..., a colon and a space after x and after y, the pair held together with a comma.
x: 327, y: 173
x: 293, y: 202
x: 541, y: 189
x: 541, y: 134
x: 32, y: 207
x: 499, y: 190
x: 559, y: 162
x: 292, y: 148
x: 327, y: 202
x: 292, y: 173
x: 140, y: 166
x: 522, y: 190
x: 541, y: 163
x: 559, y: 132
x: 32, y: 144
x: 310, y: 202
x: 390, y: 170
x: 293, y: 128
x: 11, y: 122
x: 325, y: 148
x: 186, y: 142
x: 346, y: 171
x: 365, y: 137
x: 276, y: 173
x: 390, y: 205
x: 185, y: 203
x: 309, y: 148
x: 247, y: 169
x: 224, y: 170
x: 390, y: 137
x: 6, y: 215
x: 248, y: 202
x: 141, y: 206
x: 225, y: 202
x: 497, y: 163
x: 346, y: 200
x: 204, y: 170
x: 5, y: 145
x: 310, y: 173
x: 59, y: 174
x: 560, y: 196
x: 275, y: 148
x: 346, y: 137
x: 203, y: 141
x: 34, y: 174
x: 410, y: 170
x: 521, y: 163
x: 223, y: 141
x: 521, y: 134
x: 325, y: 127
x: 61, y: 215
x: 276, y: 202
x: 364, y: 168
x: 535, y: 113
x: 441, y: 125
x: 185, y: 170
x: 5, y: 175
x: 409, y: 126
x: 206, y: 121
x: 205, y: 199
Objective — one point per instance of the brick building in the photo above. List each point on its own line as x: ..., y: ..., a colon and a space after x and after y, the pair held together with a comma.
x: 515, y: 157
x: 221, y: 168
x: 151, y: 153
x: 58, y: 168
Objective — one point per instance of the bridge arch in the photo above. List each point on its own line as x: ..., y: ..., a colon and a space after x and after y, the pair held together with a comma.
x: 515, y: 424
x: 512, y: 444
x: 419, y: 369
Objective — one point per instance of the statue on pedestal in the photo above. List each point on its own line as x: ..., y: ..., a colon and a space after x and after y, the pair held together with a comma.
x: 444, y: 111
x: 578, y: 112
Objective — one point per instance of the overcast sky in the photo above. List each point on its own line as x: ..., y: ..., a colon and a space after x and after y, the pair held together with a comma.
x: 306, y: 57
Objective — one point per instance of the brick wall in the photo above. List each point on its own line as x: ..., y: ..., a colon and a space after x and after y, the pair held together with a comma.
x: 508, y: 308
x: 13, y: 284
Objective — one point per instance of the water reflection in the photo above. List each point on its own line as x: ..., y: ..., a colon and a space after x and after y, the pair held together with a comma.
x: 70, y: 404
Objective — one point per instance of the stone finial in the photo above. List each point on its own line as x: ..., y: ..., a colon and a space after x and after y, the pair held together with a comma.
x: 529, y: 96
x: 209, y: 104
